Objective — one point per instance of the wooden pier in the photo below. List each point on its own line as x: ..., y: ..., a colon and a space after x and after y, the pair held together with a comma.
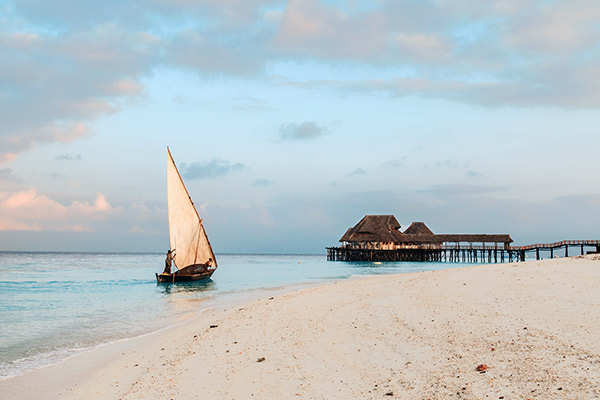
x: 552, y: 248
x: 460, y: 253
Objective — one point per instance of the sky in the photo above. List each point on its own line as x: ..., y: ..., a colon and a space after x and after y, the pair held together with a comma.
x: 291, y: 120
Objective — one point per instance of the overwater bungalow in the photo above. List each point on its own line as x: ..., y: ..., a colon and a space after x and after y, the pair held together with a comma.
x: 379, y: 238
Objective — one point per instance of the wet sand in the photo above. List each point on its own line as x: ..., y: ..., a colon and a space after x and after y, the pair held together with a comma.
x: 534, y: 326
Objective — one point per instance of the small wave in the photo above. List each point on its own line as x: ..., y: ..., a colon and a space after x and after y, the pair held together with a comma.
x: 23, y: 365
x: 330, y: 278
x: 360, y: 276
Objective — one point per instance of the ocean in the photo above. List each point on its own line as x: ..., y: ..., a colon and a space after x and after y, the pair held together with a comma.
x: 56, y: 304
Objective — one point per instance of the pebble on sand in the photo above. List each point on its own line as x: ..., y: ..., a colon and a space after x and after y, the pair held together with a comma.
x: 482, y: 368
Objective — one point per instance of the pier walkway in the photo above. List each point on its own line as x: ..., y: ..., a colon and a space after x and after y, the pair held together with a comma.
x: 463, y: 253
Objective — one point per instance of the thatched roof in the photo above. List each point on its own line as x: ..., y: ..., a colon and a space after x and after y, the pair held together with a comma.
x: 374, y: 228
x: 385, y: 228
x: 418, y: 228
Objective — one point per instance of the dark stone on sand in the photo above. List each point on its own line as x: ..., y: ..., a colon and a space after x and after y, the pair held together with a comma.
x: 482, y: 368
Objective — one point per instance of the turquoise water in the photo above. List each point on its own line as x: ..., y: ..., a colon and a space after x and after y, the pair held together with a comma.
x: 53, y: 305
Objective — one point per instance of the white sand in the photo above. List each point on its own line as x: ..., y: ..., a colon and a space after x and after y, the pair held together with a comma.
x: 536, y: 325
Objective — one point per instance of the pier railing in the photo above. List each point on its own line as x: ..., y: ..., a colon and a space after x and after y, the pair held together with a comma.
x: 557, y: 245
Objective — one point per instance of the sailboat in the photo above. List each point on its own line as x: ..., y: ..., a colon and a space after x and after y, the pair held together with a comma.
x: 190, y: 249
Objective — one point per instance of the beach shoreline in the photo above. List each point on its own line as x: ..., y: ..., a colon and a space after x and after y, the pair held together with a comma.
x: 218, y: 302
x: 409, y: 336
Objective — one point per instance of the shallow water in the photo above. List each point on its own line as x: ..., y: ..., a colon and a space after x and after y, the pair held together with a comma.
x: 53, y: 305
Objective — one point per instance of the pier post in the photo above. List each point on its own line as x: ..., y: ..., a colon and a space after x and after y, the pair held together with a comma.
x: 537, y: 253
x: 566, y: 250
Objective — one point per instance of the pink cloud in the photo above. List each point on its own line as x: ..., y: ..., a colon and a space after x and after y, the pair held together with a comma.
x: 123, y: 87
x: 18, y: 226
x: 308, y: 27
x: 63, y: 132
x: 29, y: 210
x: 29, y: 205
x: 79, y: 228
x: 143, y: 231
x: 6, y: 157
x: 93, y: 210
x: 70, y: 133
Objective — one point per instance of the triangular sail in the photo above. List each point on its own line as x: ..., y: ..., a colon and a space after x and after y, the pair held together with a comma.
x: 186, y: 233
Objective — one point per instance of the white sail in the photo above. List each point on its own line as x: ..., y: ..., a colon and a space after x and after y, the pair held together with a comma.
x: 186, y: 233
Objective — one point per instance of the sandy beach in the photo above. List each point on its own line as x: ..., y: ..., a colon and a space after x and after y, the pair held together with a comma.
x: 532, y: 328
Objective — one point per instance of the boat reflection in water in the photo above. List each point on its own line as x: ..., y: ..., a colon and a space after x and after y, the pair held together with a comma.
x: 205, y: 285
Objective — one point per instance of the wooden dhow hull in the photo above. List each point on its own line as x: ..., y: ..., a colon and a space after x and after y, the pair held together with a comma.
x: 194, y: 272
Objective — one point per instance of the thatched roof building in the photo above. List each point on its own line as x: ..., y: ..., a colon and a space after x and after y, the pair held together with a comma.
x: 383, y: 231
x: 418, y: 228
x: 374, y: 228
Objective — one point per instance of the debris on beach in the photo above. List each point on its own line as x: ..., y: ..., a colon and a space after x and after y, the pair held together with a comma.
x: 482, y: 368
x: 213, y: 326
x: 260, y: 359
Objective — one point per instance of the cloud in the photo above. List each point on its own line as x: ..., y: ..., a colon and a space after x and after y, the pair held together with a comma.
x: 209, y: 169
x: 63, y: 67
x: 306, y: 130
x: 557, y: 84
x: 54, y: 85
x: 8, y: 175
x: 262, y: 182
x: 68, y: 157
x: 144, y: 231
x: 357, y: 171
x: 29, y: 210
x: 307, y: 28
x: 54, y: 221
x: 556, y: 27
x: 448, y: 164
x: 397, y: 163
x: 84, y: 225
x: 13, y: 143
x: 203, y: 53
x: 462, y: 190
x: 580, y: 201
x: 428, y: 48
x: 492, y: 54
x: 474, y: 174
